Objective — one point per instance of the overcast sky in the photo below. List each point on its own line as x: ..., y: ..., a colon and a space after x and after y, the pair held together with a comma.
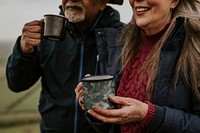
x: 14, y: 14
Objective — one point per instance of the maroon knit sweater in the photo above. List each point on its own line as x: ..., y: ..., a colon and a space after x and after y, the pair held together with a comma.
x: 129, y: 86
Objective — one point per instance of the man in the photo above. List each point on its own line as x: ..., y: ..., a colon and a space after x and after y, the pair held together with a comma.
x: 89, y: 47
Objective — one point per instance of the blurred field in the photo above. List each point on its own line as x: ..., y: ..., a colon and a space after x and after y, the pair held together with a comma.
x: 18, y: 111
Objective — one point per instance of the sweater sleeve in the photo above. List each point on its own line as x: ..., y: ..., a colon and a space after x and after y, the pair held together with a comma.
x: 150, y: 114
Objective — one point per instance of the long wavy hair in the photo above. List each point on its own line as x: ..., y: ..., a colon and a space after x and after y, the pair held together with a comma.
x: 188, y: 62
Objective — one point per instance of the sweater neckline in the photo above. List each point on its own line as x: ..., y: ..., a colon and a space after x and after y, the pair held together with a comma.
x: 148, y: 41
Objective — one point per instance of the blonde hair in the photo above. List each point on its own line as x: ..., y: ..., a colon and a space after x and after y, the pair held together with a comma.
x: 189, y: 57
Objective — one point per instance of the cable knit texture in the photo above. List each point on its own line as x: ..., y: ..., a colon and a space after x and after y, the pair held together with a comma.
x: 130, y: 87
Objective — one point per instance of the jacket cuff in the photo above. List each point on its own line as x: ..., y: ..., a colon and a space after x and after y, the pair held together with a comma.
x: 24, y: 55
x: 158, y: 119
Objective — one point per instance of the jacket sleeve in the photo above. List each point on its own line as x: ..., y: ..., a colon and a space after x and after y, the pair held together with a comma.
x: 22, y: 71
x: 169, y: 120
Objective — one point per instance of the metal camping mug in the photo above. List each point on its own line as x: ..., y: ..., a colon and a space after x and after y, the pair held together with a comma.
x: 96, y: 90
x: 54, y: 27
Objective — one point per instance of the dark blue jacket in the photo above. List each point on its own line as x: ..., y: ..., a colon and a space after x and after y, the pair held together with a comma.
x: 177, y: 110
x: 61, y: 65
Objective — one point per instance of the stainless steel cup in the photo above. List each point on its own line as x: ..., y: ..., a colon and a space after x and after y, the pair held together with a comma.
x: 54, y: 27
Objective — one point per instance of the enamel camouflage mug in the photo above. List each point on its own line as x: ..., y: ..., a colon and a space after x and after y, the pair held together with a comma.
x: 96, y: 90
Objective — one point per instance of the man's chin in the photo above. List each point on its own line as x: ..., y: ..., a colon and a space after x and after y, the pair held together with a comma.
x: 74, y: 17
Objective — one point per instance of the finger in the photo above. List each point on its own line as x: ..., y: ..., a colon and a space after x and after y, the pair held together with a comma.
x: 108, y: 113
x: 34, y: 41
x: 123, y: 101
x: 81, y: 103
x: 81, y: 100
x: 78, y: 88
x: 30, y: 35
x: 33, y: 29
x: 87, y: 75
x: 34, y: 22
x: 79, y: 95
x: 35, y: 26
x: 30, y: 43
x: 83, y: 107
x: 42, y: 20
x: 105, y: 119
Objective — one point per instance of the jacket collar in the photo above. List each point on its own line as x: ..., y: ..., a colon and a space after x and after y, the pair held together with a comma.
x: 175, y: 38
x: 107, y: 18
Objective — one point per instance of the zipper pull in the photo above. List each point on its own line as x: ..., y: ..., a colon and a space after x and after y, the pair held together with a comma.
x: 97, y: 58
x: 97, y: 65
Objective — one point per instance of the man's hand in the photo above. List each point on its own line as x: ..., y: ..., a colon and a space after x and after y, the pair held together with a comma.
x: 32, y: 33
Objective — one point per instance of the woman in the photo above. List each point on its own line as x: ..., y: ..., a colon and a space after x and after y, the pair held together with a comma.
x: 159, y: 90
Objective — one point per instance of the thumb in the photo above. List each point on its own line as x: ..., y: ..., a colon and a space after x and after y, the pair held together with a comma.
x: 87, y: 75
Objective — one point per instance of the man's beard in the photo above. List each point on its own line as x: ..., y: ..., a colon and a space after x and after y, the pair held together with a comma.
x: 74, y: 11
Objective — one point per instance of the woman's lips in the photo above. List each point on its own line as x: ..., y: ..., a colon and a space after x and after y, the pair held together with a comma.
x: 141, y: 9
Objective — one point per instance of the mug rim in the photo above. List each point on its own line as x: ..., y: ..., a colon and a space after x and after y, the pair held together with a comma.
x: 56, y: 15
x: 97, y: 78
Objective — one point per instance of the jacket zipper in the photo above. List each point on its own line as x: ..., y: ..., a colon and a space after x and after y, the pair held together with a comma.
x: 97, y: 65
x: 81, y: 71
x: 80, y: 75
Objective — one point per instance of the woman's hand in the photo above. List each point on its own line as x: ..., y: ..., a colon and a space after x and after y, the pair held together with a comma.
x: 131, y: 110
x: 79, y: 95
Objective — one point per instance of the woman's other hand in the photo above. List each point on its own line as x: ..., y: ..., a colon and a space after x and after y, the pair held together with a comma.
x: 79, y: 95
x: 130, y: 110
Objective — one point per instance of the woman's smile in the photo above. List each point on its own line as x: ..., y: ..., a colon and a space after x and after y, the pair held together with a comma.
x: 141, y: 10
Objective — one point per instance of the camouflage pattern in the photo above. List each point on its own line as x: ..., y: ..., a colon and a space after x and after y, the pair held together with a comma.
x: 97, y: 92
